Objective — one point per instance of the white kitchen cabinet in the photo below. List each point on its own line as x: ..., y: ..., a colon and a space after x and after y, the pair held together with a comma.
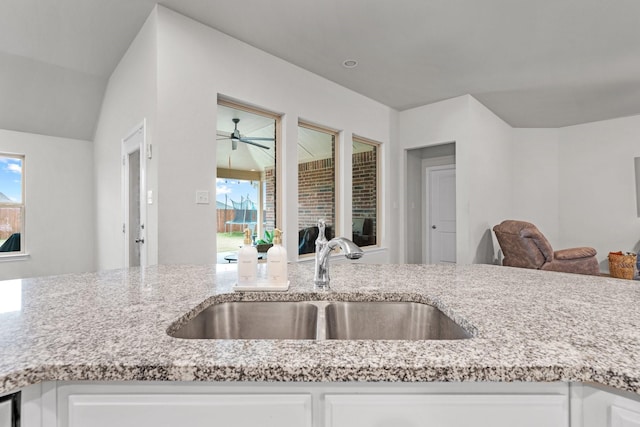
x: 146, y: 403
x: 606, y: 407
x: 451, y: 410
x: 141, y: 404
x: 194, y: 410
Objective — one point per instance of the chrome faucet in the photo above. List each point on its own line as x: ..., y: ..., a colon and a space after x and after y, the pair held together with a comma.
x: 323, y: 249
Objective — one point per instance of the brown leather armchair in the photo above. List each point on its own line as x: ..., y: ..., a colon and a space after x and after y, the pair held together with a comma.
x: 523, y: 245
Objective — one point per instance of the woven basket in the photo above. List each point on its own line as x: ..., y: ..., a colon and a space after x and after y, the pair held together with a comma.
x: 622, y: 266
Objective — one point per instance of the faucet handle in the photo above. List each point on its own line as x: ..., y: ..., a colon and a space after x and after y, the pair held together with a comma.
x: 321, y: 240
x: 321, y: 228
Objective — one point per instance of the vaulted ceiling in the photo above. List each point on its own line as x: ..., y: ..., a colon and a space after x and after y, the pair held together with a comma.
x: 544, y: 63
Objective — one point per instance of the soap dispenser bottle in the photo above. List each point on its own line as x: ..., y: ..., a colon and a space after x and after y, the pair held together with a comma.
x: 247, y: 261
x: 277, y: 261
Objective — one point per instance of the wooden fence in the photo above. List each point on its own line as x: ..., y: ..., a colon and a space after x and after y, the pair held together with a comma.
x: 10, y: 222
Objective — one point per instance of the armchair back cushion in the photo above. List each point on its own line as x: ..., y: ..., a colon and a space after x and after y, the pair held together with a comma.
x: 523, y: 245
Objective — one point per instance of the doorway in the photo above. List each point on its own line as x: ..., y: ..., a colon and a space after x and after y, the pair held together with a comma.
x: 133, y: 197
x: 418, y: 235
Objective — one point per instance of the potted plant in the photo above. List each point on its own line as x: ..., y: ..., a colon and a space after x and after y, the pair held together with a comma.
x: 264, y: 244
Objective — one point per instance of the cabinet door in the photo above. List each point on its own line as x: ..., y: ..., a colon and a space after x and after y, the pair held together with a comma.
x: 194, y: 410
x: 446, y: 410
x: 9, y: 412
x: 609, y: 408
x: 5, y: 413
x: 621, y: 417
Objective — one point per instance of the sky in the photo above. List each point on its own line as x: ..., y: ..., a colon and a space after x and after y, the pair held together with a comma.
x: 234, y: 190
x: 10, y: 178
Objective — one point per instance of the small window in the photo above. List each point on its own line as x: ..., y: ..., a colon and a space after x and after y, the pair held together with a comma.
x: 364, y: 192
x: 11, y: 204
x: 316, y: 184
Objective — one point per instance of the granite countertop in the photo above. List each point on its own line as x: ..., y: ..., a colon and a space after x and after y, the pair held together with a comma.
x: 528, y: 326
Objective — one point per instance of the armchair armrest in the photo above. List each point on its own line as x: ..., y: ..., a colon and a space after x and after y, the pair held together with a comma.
x: 574, y: 253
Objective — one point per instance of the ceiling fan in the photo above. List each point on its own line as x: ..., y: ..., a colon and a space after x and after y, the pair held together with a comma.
x: 235, y: 136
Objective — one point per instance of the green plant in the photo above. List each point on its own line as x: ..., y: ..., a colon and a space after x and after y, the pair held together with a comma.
x: 268, y: 238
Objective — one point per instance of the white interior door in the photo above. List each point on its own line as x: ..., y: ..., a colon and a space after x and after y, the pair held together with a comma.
x: 441, y: 226
x: 133, y: 195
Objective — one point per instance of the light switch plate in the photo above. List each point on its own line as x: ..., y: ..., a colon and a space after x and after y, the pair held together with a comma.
x: 202, y: 197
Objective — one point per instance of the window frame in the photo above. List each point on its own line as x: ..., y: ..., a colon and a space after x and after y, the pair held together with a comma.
x: 21, y: 205
x: 378, y: 146
x: 336, y: 134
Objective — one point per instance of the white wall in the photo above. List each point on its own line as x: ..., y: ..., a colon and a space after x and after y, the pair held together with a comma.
x: 58, y: 205
x: 195, y: 64
x: 129, y: 99
x: 577, y: 184
x: 485, y: 162
x: 536, y: 167
x: 597, y: 186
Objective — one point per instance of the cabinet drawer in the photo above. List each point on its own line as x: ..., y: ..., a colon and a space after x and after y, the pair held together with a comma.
x: 194, y: 410
x: 446, y: 410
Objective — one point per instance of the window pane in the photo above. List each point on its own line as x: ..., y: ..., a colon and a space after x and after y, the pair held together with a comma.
x: 365, y: 193
x: 316, y: 186
x: 245, y: 177
x: 10, y: 179
x: 11, y: 208
x: 10, y: 229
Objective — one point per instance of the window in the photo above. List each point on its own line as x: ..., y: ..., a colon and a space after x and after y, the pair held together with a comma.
x: 246, y: 190
x: 11, y: 203
x: 364, y: 192
x: 316, y: 184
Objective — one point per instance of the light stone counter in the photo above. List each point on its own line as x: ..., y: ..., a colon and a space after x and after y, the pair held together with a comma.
x: 527, y: 325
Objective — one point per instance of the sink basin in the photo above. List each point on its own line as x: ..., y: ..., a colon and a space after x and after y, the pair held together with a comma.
x: 308, y: 320
x: 389, y: 321
x: 253, y: 320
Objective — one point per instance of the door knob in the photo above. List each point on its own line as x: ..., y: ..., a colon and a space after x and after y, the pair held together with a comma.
x: 433, y: 226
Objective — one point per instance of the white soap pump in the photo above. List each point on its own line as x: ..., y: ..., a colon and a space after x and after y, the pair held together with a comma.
x: 247, y: 261
x: 277, y: 260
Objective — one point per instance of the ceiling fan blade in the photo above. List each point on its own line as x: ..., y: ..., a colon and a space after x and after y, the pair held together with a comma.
x: 223, y: 138
x: 257, y: 138
x: 254, y: 143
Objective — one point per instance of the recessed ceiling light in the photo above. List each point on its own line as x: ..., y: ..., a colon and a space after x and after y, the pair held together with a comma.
x: 350, y: 63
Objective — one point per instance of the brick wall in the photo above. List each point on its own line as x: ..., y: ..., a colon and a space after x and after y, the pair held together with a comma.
x: 316, y: 190
x: 365, y: 186
x: 316, y: 193
x: 269, y: 178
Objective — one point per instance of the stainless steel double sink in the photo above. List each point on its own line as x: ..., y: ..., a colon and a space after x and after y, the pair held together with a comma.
x: 312, y: 320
